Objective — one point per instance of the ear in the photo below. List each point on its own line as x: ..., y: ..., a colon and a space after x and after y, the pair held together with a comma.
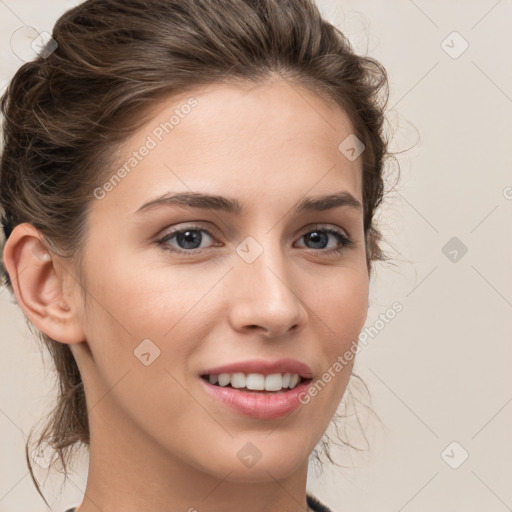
x: 38, y: 285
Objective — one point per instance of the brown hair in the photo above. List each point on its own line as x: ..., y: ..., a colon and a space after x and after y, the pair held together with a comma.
x: 65, y: 113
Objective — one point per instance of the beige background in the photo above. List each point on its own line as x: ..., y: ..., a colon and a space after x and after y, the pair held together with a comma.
x: 440, y: 371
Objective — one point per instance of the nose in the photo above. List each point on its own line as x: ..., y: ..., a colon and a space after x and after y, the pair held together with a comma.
x: 266, y: 299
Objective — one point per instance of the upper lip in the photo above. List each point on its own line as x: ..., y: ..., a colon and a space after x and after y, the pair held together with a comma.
x: 264, y: 367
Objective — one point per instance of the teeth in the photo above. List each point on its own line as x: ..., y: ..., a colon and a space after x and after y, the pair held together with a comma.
x: 224, y: 379
x: 256, y: 381
x: 237, y: 380
x: 294, y: 379
x: 273, y: 382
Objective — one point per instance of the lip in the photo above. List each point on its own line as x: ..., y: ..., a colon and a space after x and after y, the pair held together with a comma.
x: 259, y: 405
x: 264, y: 367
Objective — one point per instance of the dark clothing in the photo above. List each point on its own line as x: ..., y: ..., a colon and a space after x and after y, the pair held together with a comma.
x: 313, y: 503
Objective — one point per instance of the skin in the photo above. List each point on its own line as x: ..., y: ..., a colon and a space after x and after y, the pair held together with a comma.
x: 157, y: 438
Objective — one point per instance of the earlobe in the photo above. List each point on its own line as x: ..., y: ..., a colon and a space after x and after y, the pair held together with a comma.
x: 38, y: 286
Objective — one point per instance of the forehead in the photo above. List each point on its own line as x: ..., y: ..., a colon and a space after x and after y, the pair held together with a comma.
x: 274, y: 138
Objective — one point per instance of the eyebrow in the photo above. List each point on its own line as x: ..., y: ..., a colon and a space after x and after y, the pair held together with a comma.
x: 220, y: 203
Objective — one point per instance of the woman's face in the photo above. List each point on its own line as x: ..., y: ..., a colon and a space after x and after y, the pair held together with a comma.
x: 260, y: 280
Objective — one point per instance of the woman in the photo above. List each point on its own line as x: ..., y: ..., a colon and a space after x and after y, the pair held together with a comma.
x: 189, y: 190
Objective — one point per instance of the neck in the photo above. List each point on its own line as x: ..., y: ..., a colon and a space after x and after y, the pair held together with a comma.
x: 132, y: 473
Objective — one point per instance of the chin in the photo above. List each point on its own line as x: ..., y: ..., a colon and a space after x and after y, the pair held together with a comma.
x: 260, y: 460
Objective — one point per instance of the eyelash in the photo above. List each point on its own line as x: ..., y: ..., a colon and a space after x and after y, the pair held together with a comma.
x: 345, y: 242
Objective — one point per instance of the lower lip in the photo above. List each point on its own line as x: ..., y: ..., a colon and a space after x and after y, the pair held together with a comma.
x: 260, y: 405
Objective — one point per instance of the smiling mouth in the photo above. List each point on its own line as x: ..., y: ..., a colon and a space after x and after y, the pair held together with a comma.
x: 256, y: 383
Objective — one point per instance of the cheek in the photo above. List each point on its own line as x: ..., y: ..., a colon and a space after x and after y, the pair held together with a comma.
x: 340, y: 311
x: 144, y: 298
x: 343, y: 307
x: 131, y: 302
x: 136, y: 312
